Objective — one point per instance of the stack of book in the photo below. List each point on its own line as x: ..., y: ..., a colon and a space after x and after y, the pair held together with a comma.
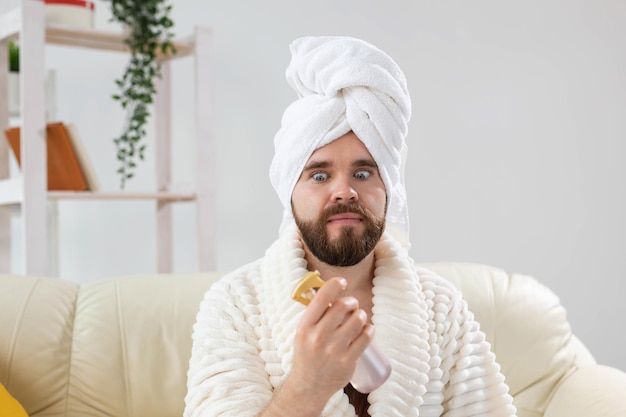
x: 69, y: 168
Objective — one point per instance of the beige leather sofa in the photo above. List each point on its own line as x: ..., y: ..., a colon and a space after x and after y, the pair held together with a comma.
x: 119, y: 347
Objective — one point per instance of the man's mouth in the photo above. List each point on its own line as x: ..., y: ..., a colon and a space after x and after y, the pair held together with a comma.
x: 345, y: 218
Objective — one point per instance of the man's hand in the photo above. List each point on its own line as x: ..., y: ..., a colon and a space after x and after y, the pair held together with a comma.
x: 331, y: 336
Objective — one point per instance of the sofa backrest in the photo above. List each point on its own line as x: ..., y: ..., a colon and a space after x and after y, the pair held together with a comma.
x: 115, y: 347
x: 527, y: 327
x: 120, y: 347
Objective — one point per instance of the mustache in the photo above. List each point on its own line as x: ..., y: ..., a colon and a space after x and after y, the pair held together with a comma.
x: 345, y: 208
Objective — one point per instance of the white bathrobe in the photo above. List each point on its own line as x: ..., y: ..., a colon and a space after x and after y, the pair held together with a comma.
x: 243, y: 341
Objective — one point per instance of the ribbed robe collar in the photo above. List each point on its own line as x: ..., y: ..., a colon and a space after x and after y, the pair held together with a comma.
x: 399, y: 315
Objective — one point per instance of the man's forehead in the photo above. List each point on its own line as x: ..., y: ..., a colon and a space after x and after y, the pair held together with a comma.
x: 345, y: 148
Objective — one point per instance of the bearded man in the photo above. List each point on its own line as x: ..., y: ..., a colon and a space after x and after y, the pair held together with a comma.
x: 339, y: 172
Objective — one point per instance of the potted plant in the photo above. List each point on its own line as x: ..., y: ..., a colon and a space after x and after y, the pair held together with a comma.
x: 14, y: 56
x: 149, y: 30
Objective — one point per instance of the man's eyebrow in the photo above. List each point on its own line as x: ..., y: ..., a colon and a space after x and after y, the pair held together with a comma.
x: 326, y: 164
x: 365, y: 163
x: 316, y: 165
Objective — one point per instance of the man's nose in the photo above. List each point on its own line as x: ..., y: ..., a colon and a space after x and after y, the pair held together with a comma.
x: 344, y: 192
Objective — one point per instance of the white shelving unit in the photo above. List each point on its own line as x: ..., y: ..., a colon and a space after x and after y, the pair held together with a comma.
x: 29, y: 190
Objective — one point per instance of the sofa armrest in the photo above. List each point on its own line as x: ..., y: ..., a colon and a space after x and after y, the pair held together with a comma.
x: 590, y: 391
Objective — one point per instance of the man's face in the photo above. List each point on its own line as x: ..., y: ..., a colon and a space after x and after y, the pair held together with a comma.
x: 339, y: 202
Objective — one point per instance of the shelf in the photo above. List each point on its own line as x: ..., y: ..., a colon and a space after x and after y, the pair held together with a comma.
x: 121, y: 195
x: 11, y: 194
x: 55, y: 34
x: 28, y: 194
x: 103, y: 40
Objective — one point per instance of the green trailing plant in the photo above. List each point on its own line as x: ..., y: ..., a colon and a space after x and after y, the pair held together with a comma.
x: 149, y: 31
x: 14, y: 57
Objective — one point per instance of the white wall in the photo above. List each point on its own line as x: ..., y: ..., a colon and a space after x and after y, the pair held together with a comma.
x: 516, y: 144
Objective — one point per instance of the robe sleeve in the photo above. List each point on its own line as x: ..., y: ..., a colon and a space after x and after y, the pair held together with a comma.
x: 226, y: 376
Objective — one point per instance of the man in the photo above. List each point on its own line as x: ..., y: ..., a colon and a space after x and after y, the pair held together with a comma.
x: 338, y: 170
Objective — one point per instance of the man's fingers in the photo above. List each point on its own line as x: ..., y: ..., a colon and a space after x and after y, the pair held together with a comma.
x: 324, y: 298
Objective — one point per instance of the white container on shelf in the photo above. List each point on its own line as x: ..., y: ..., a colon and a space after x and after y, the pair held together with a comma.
x: 15, y: 100
x: 75, y: 13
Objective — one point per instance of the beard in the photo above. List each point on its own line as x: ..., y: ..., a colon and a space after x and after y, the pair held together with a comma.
x: 349, y: 248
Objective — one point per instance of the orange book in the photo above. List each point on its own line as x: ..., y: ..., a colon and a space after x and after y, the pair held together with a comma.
x: 64, y: 170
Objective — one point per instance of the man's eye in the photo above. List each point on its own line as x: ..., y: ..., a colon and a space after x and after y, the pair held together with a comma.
x: 320, y: 176
x: 363, y: 174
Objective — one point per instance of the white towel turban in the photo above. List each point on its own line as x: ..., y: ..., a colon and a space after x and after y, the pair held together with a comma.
x: 344, y: 84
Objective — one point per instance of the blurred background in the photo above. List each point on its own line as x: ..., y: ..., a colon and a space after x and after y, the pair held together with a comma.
x: 517, y: 144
